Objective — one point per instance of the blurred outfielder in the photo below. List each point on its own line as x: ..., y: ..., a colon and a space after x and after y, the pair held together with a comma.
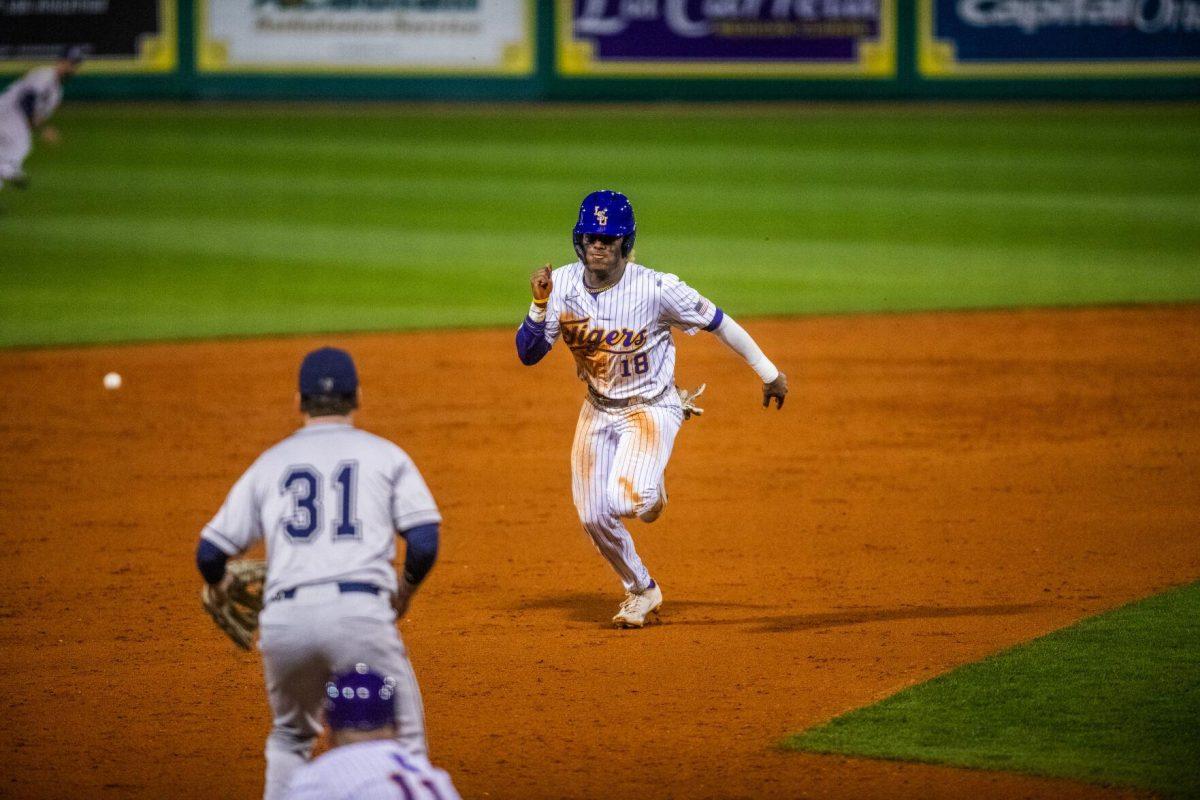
x: 26, y: 107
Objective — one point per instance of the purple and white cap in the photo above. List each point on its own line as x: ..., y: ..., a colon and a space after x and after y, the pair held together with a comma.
x: 360, y: 699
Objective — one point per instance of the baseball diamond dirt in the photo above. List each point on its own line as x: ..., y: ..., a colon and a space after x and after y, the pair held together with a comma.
x: 939, y: 487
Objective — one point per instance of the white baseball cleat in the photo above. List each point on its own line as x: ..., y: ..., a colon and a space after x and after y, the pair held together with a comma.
x: 655, y: 511
x: 637, y: 607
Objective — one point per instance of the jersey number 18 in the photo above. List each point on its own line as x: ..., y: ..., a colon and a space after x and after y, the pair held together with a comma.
x: 641, y: 365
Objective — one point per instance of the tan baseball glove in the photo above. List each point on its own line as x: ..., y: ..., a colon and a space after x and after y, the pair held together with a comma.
x: 688, y: 401
x: 235, y: 608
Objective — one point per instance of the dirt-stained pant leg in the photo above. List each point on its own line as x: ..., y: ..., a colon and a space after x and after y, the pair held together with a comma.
x: 627, y: 449
x: 647, y: 436
x: 596, y: 440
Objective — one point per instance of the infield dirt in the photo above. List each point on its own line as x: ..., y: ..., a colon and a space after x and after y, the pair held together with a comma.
x: 936, y: 488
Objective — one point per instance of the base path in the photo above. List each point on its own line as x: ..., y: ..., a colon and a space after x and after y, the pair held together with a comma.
x: 937, y: 487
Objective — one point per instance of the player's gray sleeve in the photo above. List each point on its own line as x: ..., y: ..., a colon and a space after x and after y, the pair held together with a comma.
x: 684, y: 307
x: 412, y: 502
x: 238, y: 524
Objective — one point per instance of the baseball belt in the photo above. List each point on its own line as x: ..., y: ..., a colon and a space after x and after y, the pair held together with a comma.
x: 623, y: 402
x: 343, y: 587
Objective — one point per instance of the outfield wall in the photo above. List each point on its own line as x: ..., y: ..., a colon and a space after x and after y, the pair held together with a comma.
x: 577, y: 50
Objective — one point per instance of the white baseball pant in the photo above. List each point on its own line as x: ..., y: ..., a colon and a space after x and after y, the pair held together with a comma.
x: 617, y: 464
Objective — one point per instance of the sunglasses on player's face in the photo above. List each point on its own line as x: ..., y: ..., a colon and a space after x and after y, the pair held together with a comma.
x: 602, y: 238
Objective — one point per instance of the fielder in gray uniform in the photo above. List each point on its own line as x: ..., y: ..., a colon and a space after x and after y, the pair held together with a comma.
x: 25, y: 107
x: 328, y: 501
x: 366, y: 762
x: 616, y: 316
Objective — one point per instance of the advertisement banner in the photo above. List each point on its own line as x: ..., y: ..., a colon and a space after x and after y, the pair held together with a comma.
x: 372, y: 36
x: 727, y: 38
x: 1059, y: 38
x: 117, y: 35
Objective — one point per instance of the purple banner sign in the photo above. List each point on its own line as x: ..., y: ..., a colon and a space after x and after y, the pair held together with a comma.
x: 735, y: 37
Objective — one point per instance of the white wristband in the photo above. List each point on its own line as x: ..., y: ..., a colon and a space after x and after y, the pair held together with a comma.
x: 537, y: 313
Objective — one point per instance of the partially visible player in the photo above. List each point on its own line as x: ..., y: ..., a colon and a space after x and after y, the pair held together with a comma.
x: 366, y: 762
x: 26, y: 107
x: 616, y: 317
x: 328, y: 501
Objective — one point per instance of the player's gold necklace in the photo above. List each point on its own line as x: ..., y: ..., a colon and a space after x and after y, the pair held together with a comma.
x: 619, y: 272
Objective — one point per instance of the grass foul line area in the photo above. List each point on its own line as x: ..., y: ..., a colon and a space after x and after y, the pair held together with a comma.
x: 1113, y: 699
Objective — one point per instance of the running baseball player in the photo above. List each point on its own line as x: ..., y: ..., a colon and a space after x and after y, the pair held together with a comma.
x: 328, y: 501
x: 616, y: 316
x: 25, y: 108
x: 366, y: 762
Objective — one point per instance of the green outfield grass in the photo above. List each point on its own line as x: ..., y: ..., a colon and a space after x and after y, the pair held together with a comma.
x: 160, y: 221
x: 1114, y: 699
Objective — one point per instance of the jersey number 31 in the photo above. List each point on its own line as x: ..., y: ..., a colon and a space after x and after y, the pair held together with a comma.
x: 305, y: 483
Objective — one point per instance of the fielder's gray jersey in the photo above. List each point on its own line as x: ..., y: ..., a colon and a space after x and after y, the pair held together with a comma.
x: 328, y: 501
x: 47, y: 94
x: 375, y: 770
x: 621, y: 336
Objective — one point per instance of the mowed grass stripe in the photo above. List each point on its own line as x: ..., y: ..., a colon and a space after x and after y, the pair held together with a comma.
x: 425, y: 251
x: 156, y: 186
x: 793, y: 150
x: 922, y: 142
x: 274, y: 296
x: 1094, y: 224
x: 936, y: 164
x: 408, y: 208
x: 399, y: 247
x: 1113, y: 699
x: 1080, y: 126
x: 396, y: 278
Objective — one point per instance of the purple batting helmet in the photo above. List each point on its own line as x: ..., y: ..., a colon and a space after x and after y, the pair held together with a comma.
x: 361, y: 699
x: 607, y: 213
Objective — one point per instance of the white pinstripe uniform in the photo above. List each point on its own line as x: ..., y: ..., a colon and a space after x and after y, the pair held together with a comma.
x: 328, y: 501
x: 621, y: 340
x: 376, y: 770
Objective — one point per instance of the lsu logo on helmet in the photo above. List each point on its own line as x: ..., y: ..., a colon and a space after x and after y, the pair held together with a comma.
x: 608, y: 213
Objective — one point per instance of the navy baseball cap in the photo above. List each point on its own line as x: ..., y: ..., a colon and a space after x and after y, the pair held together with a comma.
x: 328, y: 371
x: 361, y: 699
x: 75, y: 54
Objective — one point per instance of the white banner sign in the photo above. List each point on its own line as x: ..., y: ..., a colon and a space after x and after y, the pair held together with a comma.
x: 391, y: 36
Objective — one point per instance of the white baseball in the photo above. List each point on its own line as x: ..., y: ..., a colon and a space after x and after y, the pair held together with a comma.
x: 112, y: 381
